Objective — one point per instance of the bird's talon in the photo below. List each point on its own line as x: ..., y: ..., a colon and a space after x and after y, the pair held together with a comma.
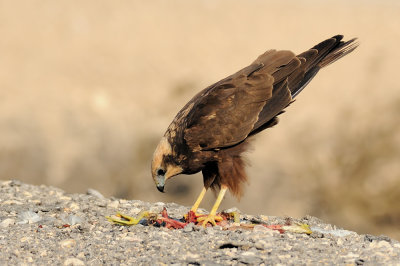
x: 212, y: 219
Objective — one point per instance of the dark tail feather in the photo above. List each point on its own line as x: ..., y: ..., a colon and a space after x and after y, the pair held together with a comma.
x: 321, y: 55
x: 341, y: 50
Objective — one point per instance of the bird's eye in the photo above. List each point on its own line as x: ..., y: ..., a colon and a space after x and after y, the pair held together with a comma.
x: 160, y: 172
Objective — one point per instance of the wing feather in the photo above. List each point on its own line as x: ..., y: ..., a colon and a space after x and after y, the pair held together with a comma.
x: 226, y: 113
x: 249, y: 101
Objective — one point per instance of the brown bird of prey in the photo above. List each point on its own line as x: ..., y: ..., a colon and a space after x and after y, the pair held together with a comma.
x: 212, y: 130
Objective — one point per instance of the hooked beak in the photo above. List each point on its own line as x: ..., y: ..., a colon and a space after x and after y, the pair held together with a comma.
x: 160, y: 182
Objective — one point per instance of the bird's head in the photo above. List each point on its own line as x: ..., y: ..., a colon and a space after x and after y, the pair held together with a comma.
x: 163, y: 165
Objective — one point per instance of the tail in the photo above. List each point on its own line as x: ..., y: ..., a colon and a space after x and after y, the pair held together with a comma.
x: 291, y: 78
x: 321, y: 55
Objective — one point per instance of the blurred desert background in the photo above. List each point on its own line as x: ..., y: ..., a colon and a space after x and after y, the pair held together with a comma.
x: 87, y: 89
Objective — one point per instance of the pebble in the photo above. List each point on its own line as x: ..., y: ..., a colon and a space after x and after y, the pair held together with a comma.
x: 27, y: 194
x: 380, y: 244
x: 233, y: 209
x: 114, y: 204
x: 25, y: 239
x: 65, y: 198
x: 29, y: 217
x: 192, y: 256
x: 209, y: 230
x: 188, y: 227
x: 74, y: 206
x: 68, y: 243
x: 71, y: 219
x: 248, y: 253
x: 11, y: 202
x: 131, y: 237
x: 156, y: 209
x: 73, y: 262
x: 94, y: 193
x: 7, y: 222
x: 261, y: 244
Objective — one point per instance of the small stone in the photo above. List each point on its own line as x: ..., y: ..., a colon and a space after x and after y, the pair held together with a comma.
x: 12, y: 202
x: 130, y: 236
x: 284, y: 257
x: 381, y: 254
x: 114, y: 204
x: 380, y: 244
x: 7, y: 222
x: 101, y: 203
x: 65, y: 198
x: 248, y: 253
x: 74, y: 207
x: 156, y: 209
x: 27, y: 194
x: 339, y: 242
x: 135, y: 211
x: 210, y: 230
x: 288, y: 247
x: 351, y: 255
x: 384, y: 244
x: 188, y: 227
x: 192, y: 256
x: 36, y: 201
x: 25, y: 239
x: 73, y: 262
x: 261, y: 244
x: 233, y: 209
x: 71, y: 219
x: 68, y: 243
x: 6, y: 183
x: 29, y: 217
x: 94, y: 193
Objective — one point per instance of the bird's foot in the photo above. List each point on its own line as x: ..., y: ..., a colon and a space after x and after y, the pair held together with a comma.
x: 127, y: 220
x: 211, y: 218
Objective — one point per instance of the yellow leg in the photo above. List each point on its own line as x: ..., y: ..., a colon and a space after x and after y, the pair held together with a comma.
x: 199, y: 199
x: 212, y: 216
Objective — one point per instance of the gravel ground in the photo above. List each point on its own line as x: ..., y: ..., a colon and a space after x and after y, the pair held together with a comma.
x: 44, y: 225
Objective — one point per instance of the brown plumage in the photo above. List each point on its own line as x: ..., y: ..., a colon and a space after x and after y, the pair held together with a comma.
x: 212, y: 130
